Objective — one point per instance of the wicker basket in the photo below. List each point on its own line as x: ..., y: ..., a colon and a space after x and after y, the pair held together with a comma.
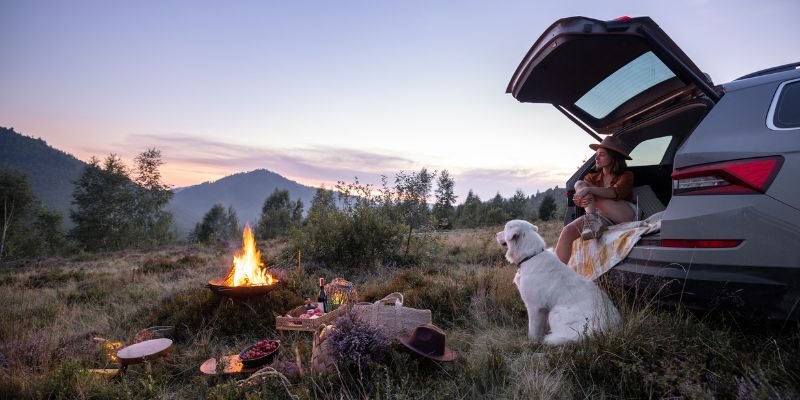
x: 293, y: 322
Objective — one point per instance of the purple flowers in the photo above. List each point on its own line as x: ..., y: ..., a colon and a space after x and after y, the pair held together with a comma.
x: 357, y: 342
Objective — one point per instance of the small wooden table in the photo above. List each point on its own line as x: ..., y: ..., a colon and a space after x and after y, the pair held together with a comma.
x: 232, y: 366
x: 143, y: 351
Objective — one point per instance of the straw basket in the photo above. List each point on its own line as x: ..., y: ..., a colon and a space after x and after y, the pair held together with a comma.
x: 293, y: 322
x: 390, y: 314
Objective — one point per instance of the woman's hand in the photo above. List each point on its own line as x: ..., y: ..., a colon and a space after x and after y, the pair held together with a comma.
x: 583, y: 197
x: 583, y: 192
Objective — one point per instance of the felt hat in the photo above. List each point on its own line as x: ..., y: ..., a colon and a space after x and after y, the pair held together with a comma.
x: 429, y: 341
x: 612, y: 143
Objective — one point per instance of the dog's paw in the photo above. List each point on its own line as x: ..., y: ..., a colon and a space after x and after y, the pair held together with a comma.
x: 535, y: 339
x: 557, y: 340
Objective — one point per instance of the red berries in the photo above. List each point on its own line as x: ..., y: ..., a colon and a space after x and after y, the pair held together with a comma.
x: 260, y: 349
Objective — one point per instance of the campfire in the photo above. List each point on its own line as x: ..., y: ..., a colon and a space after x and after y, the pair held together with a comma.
x: 247, y: 277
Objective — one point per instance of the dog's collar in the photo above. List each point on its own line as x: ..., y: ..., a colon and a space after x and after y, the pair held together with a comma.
x: 519, y: 264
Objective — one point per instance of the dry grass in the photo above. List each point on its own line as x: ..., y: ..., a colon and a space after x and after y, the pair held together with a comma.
x: 54, y: 308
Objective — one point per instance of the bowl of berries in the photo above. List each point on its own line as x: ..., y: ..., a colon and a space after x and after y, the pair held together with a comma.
x: 259, y: 353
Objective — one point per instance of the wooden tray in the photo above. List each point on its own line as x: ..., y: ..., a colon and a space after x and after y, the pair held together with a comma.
x: 293, y: 322
x: 147, y: 350
x: 232, y: 366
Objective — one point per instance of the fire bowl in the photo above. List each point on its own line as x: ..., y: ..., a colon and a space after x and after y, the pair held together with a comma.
x: 217, y: 286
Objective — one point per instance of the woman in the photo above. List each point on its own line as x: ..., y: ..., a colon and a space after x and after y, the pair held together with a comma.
x: 607, y: 196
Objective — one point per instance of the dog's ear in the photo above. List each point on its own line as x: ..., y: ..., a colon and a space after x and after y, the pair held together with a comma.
x: 535, y: 228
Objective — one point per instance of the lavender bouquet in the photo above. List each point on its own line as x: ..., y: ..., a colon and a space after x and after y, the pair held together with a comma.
x: 356, y: 342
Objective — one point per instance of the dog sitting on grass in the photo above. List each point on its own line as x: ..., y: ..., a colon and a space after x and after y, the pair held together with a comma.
x: 554, y: 294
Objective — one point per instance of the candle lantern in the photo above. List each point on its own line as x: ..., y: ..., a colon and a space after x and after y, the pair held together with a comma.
x: 341, y: 292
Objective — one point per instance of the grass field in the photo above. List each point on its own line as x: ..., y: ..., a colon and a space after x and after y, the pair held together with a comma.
x: 53, y: 309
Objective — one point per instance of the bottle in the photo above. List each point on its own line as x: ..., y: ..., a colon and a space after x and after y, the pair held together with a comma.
x: 322, y: 298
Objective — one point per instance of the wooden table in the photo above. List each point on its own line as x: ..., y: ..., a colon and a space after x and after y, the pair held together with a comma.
x: 143, y: 351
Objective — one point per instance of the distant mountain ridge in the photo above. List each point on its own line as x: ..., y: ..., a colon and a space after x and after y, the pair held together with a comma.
x: 245, y: 191
x: 52, y: 174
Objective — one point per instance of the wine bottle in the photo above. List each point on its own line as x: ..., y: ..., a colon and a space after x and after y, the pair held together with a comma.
x: 322, y: 298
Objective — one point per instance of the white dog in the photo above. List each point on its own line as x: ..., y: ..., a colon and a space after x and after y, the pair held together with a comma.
x: 552, y: 292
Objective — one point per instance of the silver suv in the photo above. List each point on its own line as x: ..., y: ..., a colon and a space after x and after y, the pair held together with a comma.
x: 724, y: 160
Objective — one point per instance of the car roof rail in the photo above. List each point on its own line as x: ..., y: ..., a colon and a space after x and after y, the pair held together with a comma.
x: 780, y: 68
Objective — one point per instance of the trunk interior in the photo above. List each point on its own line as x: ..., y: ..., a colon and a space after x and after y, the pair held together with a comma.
x: 671, y: 127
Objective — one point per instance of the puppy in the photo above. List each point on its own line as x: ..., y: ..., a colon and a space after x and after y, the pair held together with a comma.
x: 553, y: 293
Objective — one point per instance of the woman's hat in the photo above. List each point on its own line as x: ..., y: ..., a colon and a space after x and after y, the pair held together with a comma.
x: 428, y: 341
x: 614, y: 144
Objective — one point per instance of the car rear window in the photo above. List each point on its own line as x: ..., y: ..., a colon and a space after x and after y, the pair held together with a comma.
x: 649, y: 152
x: 635, y: 77
x: 787, y: 110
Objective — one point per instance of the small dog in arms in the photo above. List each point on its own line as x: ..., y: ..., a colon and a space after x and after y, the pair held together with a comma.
x: 553, y: 293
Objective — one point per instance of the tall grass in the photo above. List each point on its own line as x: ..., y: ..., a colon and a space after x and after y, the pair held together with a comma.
x: 54, y: 309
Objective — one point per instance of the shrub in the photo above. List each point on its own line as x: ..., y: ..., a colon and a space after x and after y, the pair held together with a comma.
x: 362, y: 234
x: 90, y: 291
x: 158, y: 265
x: 54, y: 278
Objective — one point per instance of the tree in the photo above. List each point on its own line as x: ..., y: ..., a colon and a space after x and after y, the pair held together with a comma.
x: 113, y: 211
x: 495, y: 211
x: 104, y: 203
x: 48, y: 234
x: 153, y: 222
x: 411, y: 193
x: 443, y: 211
x: 16, y: 199
x: 471, y: 212
x: 297, y: 213
x: 279, y: 215
x: 27, y: 229
x: 516, y: 205
x: 548, y: 208
x: 217, y: 227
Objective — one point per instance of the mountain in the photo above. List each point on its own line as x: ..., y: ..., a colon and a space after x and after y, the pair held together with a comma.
x: 52, y: 174
x: 50, y: 171
x: 244, y: 191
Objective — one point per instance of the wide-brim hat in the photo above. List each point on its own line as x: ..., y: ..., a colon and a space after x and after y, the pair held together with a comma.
x: 614, y: 144
x: 429, y: 341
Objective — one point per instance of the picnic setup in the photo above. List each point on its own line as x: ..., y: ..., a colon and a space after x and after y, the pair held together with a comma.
x: 335, y: 311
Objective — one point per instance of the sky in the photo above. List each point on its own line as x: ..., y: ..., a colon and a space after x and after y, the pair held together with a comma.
x: 322, y: 91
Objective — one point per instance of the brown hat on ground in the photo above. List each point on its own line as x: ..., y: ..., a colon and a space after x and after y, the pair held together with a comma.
x: 612, y: 143
x: 428, y: 341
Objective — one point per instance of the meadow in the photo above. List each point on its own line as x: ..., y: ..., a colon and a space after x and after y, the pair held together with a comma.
x: 54, y: 311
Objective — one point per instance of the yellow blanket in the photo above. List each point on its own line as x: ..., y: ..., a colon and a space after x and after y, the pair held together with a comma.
x: 592, y: 258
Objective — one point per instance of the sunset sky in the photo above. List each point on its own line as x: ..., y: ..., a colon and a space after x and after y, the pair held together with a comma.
x: 320, y: 91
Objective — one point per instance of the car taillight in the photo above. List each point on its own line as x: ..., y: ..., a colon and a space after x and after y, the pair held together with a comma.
x: 701, y: 244
x: 747, y: 176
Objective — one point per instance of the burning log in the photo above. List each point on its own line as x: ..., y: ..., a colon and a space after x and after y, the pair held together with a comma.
x: 247, y: 277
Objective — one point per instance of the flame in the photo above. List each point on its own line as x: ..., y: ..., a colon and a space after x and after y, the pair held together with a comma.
x: 110, y: 349
x: 248, y: 270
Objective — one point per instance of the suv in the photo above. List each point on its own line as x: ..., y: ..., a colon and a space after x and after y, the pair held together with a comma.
x: 723, y: 159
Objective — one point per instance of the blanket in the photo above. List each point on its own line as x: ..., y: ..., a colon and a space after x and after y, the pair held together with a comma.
x: 593, y: 258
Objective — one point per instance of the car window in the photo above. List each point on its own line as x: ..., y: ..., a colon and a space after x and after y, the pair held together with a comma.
x: 787, y: 110
x: 635, y: 77
x: 649, y: 152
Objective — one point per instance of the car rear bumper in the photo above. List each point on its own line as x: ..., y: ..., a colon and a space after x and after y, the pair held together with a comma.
x: 754, y: 292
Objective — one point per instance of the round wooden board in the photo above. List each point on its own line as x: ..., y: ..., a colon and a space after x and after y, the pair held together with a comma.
x: 232, y: 366
x: 147, y: 350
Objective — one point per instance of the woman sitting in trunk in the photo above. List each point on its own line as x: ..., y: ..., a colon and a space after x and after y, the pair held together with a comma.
x: 607, y: 196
